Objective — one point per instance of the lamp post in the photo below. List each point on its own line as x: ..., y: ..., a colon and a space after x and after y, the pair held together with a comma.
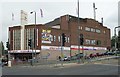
x: 115, y: 36
x: 94, y: 9
x: 78, y: 33
x: 34, y: 32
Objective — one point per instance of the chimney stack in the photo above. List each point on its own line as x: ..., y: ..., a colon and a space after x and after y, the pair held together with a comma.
x: 102, y: 20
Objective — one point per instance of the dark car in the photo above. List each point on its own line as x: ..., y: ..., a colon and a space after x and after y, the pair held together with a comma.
x: 80, y: 55
x: 87, y: 57
x: 99, y: 54
x: 92, y: 55
x: 4, y: 62
x: 106, y: 53
x: 109, y: 53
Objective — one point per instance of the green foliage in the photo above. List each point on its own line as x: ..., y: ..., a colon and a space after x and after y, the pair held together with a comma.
x: 113, y: 41
x: 2, y: 48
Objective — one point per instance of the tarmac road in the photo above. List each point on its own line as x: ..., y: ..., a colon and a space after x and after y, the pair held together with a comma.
x: 109, y: 67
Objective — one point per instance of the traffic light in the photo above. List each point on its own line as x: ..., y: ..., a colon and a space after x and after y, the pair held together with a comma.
x: 81, y: 39
x: 119, y: 33
x: 118, y: 36
x: 29, y: 42
x: 8, y: 45
x: 118, y: 39
x: 63, y: 39
x: 118, y: 45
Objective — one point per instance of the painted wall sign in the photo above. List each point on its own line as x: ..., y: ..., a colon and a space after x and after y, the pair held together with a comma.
x: 46, y: 36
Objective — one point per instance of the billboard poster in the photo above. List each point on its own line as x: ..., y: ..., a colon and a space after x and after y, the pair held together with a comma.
x: 46, y: 36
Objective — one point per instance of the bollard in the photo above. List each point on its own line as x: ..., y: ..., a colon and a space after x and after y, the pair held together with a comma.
x: 9, y: 63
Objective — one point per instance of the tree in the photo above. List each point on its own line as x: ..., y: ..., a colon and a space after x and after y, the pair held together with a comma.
x: 1, y: 49
x: 113, y: 41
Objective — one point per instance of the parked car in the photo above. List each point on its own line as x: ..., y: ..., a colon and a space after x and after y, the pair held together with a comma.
x: 73, y: 57
x: 80, y: 55
x: 99, y: 54
x: 66, y: 59
x: 117, y: 52
x: 106, y: 53
x: 109, y: 53
x: 4, y: 62
x: 92, y: 55
x: 87, y: 57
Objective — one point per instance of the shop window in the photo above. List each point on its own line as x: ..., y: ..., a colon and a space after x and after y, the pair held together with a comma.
x: 93, y: 42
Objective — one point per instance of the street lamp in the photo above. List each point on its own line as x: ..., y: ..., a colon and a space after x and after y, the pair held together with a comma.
x: 94, y: 9
x: 78, y: 32
x: 34, y: 32
x: 115, y: 35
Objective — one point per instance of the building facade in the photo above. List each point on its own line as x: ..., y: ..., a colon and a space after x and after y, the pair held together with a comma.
x: 47, y: 37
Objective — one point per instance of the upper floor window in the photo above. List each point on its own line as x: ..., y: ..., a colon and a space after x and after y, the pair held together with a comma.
x: 92, y: 30
x: 68, y: 39
x: 80, y: 27
x: 98, y: 42
x: 59, y: 38
x: 93, y: 42
x: 54, y: 38
x: 51, y: 37
x: 104, y: 32
x: 87, y: 29
x: 87, y: 41
x: 97, y: 30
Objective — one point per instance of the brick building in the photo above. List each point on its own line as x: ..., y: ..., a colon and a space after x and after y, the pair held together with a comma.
x: 48, y: 37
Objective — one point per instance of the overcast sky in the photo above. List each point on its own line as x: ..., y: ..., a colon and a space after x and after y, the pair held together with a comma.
x: 108, y: 9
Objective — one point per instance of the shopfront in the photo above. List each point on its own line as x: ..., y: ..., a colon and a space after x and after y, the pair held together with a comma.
x: 23, y: 55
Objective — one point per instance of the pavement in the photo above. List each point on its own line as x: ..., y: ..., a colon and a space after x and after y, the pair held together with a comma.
x: 93, y: 68
x: 105, y: 66
x: 68, y: 64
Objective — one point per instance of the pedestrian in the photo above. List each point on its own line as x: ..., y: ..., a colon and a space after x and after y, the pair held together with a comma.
x: 59, y: 58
